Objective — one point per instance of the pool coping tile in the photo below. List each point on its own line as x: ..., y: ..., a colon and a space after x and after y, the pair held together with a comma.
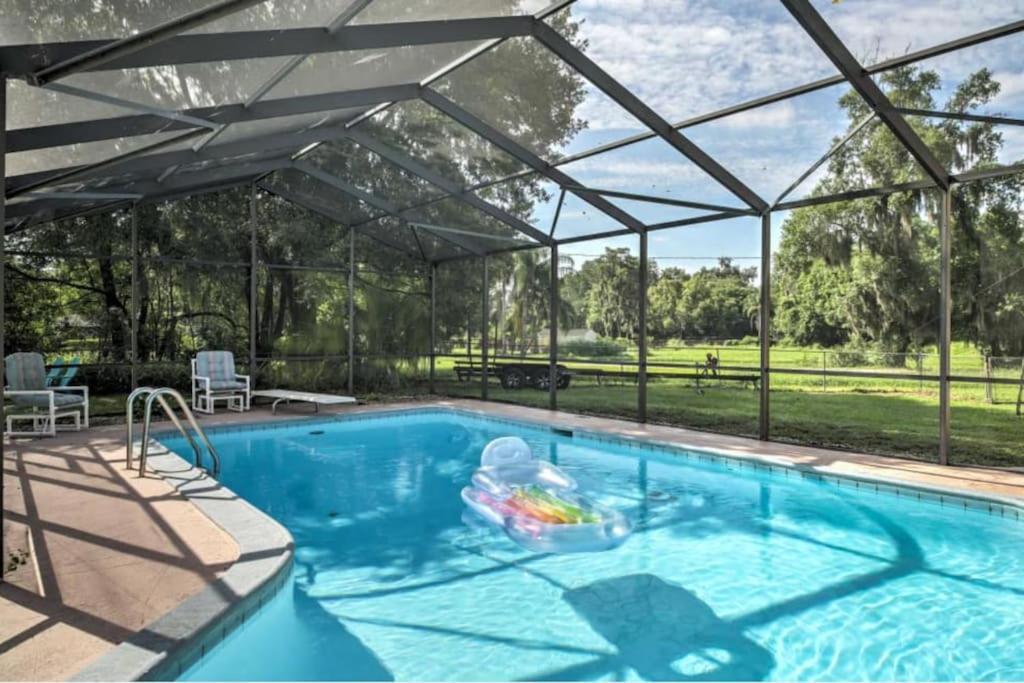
x: 168, y: 646
x: 966, y: 499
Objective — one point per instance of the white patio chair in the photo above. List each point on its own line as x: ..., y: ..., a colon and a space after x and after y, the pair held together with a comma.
x: 27, y: 389
x: 214, y: 379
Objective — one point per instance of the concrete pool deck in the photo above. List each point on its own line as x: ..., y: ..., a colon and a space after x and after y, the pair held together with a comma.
x: 113, y: 552
x: 116, y: 552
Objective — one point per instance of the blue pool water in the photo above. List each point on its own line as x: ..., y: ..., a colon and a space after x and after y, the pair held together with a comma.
x: 730, y: 573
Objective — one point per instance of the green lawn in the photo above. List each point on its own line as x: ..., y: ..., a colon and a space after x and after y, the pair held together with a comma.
x: 893, y: 416
x: 900, y: 423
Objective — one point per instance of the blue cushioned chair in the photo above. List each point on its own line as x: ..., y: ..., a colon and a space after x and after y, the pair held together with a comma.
x: 214, y: 379
x: 27, y: 388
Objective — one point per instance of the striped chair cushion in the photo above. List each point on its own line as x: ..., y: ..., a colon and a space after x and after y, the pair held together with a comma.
x: 219, y: 366
x: 25, y: 372
x: 224, y: 385
x: 60, y: 400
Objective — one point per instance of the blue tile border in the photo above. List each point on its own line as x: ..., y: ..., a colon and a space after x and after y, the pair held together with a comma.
x: 950, y: 497
x: 947, y: 497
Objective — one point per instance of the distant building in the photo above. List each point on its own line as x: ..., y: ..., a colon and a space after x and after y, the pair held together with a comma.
x: 580, y: 334
x: 565, y: 265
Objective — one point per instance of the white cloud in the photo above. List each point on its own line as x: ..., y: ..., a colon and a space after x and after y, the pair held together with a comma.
x: 688, y: 58
x: 637, y: 174
x: 685, y: 58
x: 777, y: 116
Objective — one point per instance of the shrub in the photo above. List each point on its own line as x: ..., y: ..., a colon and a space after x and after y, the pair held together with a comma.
x: 850, y: 355
x: 601, y: 348
x: 855, y: 354
x: 107, y: 379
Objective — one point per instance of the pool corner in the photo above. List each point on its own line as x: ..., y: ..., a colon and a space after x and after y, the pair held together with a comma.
x: 171, y: 643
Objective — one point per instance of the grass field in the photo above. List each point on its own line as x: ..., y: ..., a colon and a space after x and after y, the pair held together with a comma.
x: 893, y: 415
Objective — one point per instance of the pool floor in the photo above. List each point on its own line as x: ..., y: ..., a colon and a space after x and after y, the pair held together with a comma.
x: 729, y: 575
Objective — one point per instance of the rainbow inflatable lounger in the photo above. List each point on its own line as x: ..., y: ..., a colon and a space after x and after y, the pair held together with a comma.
x: 537, y: 504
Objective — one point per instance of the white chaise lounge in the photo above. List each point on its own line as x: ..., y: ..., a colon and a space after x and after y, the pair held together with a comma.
x: 287, y: 396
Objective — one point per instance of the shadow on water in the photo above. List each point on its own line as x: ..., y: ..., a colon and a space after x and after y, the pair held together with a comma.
x: 663, y: 632
x: 339, y: 655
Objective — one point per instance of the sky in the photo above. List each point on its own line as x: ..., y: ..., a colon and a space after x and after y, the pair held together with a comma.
x: 686, y: 58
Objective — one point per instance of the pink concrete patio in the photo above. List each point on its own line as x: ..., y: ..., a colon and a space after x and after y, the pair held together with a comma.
x: 113, y: 552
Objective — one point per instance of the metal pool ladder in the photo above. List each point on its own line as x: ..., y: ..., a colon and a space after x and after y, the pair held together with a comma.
x: 157, y: 395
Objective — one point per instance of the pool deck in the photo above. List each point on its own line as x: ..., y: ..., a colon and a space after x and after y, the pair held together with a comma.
x: 113, y: 553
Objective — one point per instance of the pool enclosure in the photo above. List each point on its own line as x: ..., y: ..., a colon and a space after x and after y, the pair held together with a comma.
x: 399, y: 197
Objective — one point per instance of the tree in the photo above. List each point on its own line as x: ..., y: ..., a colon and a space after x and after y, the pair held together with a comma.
x: 664, y: 295
x: 988, y: 266
x: 184, y: 305
x: 867, y: 270
x: 719, y: 303
x: 520, y: 299
x: 605, y: 294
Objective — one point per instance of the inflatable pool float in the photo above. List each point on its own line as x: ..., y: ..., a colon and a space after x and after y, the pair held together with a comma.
x: 537, y: 504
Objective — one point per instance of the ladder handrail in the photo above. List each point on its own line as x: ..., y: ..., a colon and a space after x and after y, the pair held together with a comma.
x: 130, y: 419
x: 157, y: 395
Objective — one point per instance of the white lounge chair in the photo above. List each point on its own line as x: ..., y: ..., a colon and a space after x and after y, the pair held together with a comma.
x: 214, y: 379
x: 287, y: 396
x: 27, y: 389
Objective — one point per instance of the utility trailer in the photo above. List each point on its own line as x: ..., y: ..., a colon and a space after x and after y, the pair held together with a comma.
x: 514, y: 374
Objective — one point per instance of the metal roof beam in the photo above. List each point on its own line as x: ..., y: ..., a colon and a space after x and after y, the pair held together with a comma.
x: 568, y: 53
x: 457, y: 242
x: 346, y: 16
x: 667, y: 201
x: 81, y: 195
x: 850, y: 134
x: 58, y: 135
x: 961, y: 116
x: 431, y: 227
x: 822, y: 34
x: 148, y: 191
x: 291, y: 65
x: 345, y: 187
x: 367, y: 198
x: 409, y: 164
x: 513, y: 148
x: 298, y: 200
x: 66, y: 176
x: 807, y: 88
x: 50, y: 215
x: 87, y: 131
x: 26, y: 60
x: 158, y: 162
x: 988, y: 173
x: 98, y: 57
x: 855, y: 194
x: 185, y: 119
x: 697, y: 220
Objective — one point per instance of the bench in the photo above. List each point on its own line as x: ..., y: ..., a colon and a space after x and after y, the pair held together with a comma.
x: 287, y: 396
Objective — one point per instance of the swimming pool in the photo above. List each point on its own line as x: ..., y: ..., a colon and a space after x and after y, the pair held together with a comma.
x: 731, y: 573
